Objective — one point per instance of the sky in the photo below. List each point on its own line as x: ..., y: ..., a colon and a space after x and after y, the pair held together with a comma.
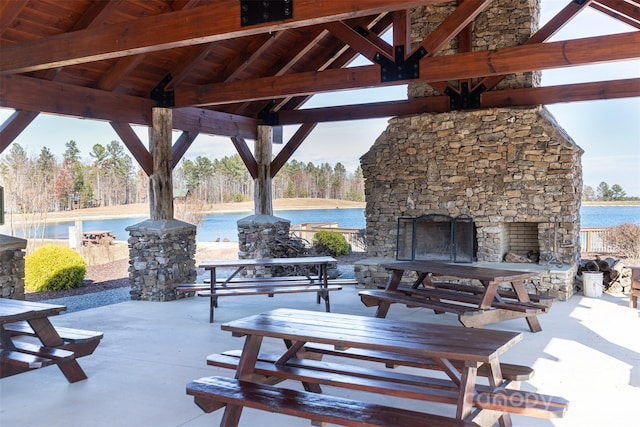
x: 608, y: 131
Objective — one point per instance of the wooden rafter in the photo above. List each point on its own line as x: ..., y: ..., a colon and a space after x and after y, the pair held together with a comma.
x: 175, y: 29
x: 439, y: 68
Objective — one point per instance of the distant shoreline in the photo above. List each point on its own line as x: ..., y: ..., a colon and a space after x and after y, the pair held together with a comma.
x: 142, y: 210
x: 611, y: 203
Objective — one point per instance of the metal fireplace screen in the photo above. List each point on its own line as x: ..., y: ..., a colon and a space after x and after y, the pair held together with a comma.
x: 435, y: 237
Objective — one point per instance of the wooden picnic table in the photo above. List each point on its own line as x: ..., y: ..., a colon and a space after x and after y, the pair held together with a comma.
x: 58, y: 346
x: 458, y: 352
x: 97, y: 236
x: 474, y: 306
x: 233, y: 286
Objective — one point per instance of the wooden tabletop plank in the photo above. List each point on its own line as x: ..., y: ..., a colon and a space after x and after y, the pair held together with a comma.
x: 15, y: 310
x: 208, y: 264
x: 465, y: 271
x: 420, y: 339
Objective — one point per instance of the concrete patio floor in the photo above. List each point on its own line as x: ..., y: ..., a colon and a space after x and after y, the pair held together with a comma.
x: 588, y: 353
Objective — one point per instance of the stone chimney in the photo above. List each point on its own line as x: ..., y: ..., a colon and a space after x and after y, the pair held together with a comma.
x: 513, y: 170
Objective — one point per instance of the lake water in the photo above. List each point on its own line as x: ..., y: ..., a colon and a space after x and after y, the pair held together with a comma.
x: 224, y: 226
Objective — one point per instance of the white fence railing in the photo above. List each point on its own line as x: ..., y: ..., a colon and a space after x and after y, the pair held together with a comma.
x: 354, y: 236
x: 594, y: 240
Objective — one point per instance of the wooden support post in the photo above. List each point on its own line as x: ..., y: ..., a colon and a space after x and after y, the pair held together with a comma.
x: 160, y: 181
x: 263, y: 198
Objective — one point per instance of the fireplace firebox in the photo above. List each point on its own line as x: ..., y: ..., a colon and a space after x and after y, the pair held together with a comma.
x: 436, y: 237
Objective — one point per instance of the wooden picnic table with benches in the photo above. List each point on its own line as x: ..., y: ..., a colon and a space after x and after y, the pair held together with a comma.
x: 97, y: 237
x: 235, y: 285
x: 56, y: 346
x: 475, y: 306
x: 462, y: 354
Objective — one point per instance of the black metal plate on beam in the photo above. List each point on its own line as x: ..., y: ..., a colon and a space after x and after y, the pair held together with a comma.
x: 267, y: 117
x: 164, y: 98
x: 465, y: 99
x: 400, y: 69
x: 253, y: 12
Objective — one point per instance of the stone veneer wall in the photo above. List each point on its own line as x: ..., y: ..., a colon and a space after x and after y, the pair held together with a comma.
x: 267, y: 236
x: 499, y: 165
x: 12, y: 252
x: 161, y: 256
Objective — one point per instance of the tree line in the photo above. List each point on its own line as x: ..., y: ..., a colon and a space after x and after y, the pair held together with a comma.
x: 37, y: 184
x: 605, y: 192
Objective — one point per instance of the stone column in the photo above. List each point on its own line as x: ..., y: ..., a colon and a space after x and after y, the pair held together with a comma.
x: 12, y: 251
x: 162, y: 249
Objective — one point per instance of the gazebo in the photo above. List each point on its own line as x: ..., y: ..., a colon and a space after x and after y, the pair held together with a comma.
x: 243, y: 69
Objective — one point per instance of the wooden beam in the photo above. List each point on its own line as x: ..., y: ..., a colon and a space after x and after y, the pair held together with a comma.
x: 13, y: 126
x: 205, y: 24
x: 439, y: 104
x: 615, y: 89
x: 181, y: 146
x: 247, y: 157
x: 462, y: 16
x: 29, y: 94
x: 357, y: 42
x: 290, y: 147
x: 9, y: 11
x: 554, y: 25
x: 515, y: 59
x: 620, y: 10
x: 135, y: 146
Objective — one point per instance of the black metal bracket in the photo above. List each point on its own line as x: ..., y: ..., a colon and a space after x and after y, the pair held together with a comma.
x: 164, y: 98
x: 579, y: 2
x: 465, y: 99
x: 267, y: 117
x: 400, y: 69
x: 253, y: 12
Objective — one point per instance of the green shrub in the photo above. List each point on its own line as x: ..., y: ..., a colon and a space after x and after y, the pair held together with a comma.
x: 53, y: 268
x: 331, y: 243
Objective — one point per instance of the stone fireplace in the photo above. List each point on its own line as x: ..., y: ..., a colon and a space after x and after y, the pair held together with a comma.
x: 514, y: 171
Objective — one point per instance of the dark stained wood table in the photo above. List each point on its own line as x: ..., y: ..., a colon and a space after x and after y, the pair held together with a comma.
x: 447, y: 345
x: 17, y: 356
x: 320, y: 281
x: 474, y: 310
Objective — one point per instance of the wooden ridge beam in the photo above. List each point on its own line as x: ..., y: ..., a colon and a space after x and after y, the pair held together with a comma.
x: 176, y: 29
x: 460, y: 66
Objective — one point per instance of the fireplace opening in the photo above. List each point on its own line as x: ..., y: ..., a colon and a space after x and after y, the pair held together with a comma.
x: 436, y: 237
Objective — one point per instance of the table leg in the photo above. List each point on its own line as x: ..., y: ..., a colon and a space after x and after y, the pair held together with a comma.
x: 50, y: 338
x: 245, y: 372
x: 495, y: 379
x: 467, y: 390
x: 213, y: 301
x: 392, y: 285
x: 523, y: 296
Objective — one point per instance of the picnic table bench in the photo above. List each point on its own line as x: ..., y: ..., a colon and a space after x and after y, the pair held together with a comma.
x: 635, y: 286
x: 235, y: 285
x: 57, y: 346
x: 475, y: 306
x: 97, y: 237
x: 462, y: 354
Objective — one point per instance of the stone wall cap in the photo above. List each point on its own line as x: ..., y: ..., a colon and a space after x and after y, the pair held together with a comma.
x: 261, y: 219
x: 374, y: 261
x: 160, y: 225
x: 10, y: 242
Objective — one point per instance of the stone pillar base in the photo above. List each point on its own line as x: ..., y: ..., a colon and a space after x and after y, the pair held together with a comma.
x: 12, y: 252
x: 161, y: 256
